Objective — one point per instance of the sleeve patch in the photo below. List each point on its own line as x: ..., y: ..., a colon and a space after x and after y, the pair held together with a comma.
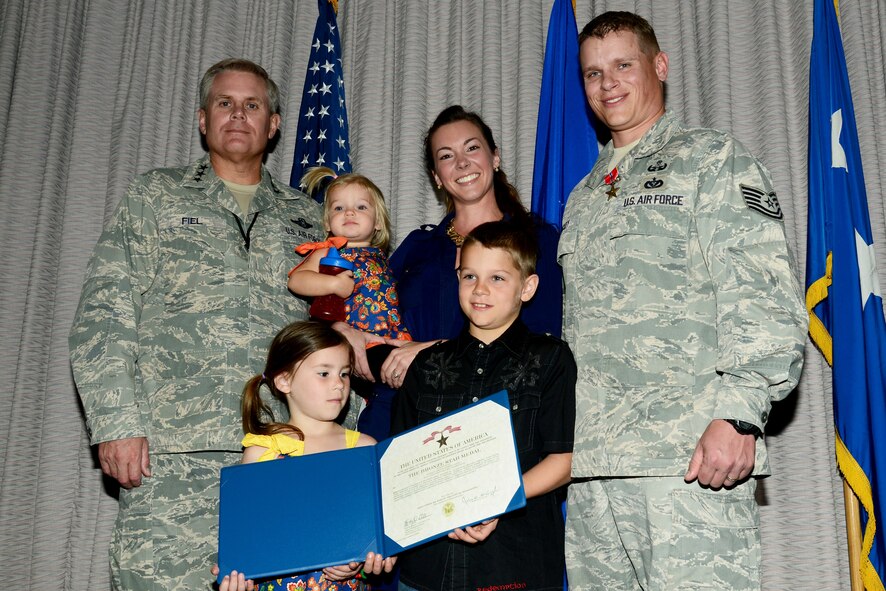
x: 762, y: 202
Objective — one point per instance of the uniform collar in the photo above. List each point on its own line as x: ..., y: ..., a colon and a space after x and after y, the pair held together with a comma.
x: 652, y: 141
x: 201, y: 176
x: 658, y: 136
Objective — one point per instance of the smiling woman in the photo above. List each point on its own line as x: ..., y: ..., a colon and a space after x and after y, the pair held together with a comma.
x: 463, y: 160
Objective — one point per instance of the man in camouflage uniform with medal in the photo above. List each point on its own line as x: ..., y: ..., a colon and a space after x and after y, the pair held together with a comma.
x: 184, y: 292
x: 686, y: 320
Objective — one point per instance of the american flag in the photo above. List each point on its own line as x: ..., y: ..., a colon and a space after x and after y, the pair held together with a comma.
x: 322, y: 137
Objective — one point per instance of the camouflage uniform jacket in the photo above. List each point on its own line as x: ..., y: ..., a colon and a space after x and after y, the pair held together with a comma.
x: 176, y: 314
x: 681, y: 304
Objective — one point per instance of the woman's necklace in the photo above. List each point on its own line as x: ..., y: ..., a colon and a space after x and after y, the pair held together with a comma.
x: 453, y: 235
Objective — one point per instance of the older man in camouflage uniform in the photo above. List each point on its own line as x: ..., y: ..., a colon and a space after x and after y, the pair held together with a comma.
x: 686, y: 321
x: 184, y: 292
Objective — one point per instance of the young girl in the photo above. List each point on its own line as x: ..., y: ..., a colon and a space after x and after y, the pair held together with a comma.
x: 308, y: 369
x: 357, y: 221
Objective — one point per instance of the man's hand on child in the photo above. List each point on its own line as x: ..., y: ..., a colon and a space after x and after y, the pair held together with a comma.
x: 358, y: 340
x: 394, y: 369
x: 475, y: 533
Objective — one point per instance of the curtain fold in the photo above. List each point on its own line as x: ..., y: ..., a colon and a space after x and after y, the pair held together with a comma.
x: 93, y: 92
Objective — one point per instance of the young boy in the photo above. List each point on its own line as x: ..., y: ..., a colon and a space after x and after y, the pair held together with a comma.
x: 495, y: 351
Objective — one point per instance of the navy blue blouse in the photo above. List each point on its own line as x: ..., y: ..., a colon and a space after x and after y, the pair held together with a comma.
x: 424, y: 266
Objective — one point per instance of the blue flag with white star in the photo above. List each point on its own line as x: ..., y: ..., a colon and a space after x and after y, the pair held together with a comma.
x: 565, y: 142
x: 322, y: 138
x: 842, y: 288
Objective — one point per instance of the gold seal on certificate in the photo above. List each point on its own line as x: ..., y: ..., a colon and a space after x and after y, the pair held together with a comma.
x: 456, y: 471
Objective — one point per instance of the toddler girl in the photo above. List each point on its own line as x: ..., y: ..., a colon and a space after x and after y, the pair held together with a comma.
x: 359, y: 227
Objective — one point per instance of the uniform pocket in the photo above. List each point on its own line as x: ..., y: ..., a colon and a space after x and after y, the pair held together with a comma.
x: 194, y: 268
x: 132, y: 545
x: 652, y: 349
x: 652, y: 272
x: 188, y: 397
x: 715, y: 540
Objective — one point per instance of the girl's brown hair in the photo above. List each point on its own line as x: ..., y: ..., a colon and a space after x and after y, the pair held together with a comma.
x: 290, y: 347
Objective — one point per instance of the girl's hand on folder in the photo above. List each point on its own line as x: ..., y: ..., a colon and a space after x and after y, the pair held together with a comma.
x: 475, y: 533
x: 233, y: 582
x: 343, y: 572
x: 376, y: 563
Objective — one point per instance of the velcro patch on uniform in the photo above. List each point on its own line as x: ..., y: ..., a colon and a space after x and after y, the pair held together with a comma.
x: 762, y: 202
x: 193, y: 221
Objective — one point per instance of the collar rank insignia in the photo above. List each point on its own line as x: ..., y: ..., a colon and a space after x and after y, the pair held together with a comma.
x: 762, y: 202
x: 201, y: 171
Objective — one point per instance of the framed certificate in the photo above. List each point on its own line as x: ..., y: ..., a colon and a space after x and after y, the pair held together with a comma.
x: 305, y: 513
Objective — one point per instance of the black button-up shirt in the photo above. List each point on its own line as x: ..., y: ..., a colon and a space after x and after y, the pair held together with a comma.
x: 538, y: 371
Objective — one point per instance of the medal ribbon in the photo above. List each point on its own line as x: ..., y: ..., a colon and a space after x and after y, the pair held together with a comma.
x: 611, y: 177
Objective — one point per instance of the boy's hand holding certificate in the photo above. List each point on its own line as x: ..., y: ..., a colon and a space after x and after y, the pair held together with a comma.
x: 334, y: 507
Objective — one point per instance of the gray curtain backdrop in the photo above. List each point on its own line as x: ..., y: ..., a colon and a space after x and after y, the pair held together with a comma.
x: 93, y: 92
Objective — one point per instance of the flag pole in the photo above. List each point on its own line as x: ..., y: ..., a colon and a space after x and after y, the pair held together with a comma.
x: 853, y: 537
x: 850, y: 500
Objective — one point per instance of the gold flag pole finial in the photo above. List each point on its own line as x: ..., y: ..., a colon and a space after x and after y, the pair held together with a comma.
x: 334, y: 5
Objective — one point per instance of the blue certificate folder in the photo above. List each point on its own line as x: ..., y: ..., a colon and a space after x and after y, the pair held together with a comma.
x: 305, y: 513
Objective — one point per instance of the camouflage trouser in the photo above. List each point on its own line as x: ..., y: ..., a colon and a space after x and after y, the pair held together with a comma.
x: 166, y: 534
x: 661, y: 534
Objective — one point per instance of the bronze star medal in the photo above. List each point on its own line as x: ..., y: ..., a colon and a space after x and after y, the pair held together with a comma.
x: 610, y: 179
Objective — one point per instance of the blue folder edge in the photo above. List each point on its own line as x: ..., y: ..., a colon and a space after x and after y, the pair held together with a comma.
x: 278, y: 495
